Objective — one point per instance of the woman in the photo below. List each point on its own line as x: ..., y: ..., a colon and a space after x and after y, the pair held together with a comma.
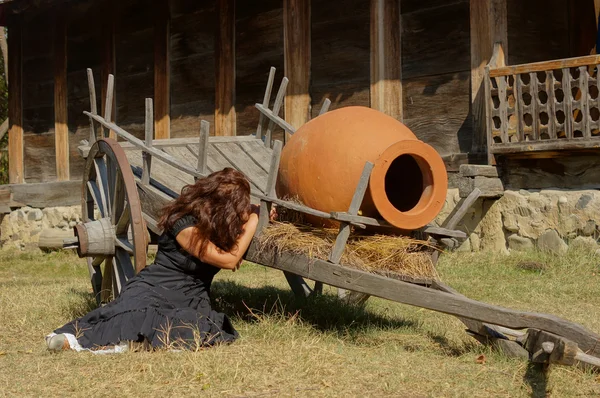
x: 208, y: 228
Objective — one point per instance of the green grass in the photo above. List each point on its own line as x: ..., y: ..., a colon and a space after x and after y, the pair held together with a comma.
x: 318, y: 347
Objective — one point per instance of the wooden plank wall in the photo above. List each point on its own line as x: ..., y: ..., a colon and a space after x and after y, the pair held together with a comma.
x: 340, y: 41
x: 193, y: 27
x: 15, y: 103
x: 80, y: 39
x: 38, y: 99
x: 134, y: 55
x: 436, y: 73
x: 256, y: 22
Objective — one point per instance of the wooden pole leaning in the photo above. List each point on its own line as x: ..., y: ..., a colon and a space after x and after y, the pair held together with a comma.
x: 276, y: 108
x: 325, y: 106
x: 110, y: 90
x: 203, y: 148
x: 149, y: 135
x: 93, y: 105
x: 344, y: 233
x: 265, y: 103
x: 265, y: 206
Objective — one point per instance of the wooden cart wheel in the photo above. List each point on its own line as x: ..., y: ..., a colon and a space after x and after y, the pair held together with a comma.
x: 113, y: 233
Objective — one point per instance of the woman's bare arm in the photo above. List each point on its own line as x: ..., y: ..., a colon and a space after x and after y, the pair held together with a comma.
x: 213, y: 255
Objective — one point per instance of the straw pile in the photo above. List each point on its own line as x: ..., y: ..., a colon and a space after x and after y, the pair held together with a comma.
x: 380, y: 254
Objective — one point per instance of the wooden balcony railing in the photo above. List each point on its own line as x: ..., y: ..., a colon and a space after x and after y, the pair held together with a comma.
x: 543, y: 106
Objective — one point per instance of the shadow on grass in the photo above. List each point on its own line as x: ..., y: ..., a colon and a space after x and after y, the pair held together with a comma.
x: 536, y: 376
x: 324, y: 312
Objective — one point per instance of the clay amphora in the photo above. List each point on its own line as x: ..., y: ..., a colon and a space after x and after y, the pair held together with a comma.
x: 322, y: 163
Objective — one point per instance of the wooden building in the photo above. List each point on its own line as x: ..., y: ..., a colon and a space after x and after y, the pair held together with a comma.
x: 421, y: 61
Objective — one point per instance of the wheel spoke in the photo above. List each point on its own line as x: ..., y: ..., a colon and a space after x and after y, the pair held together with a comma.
x: 122, y: 268
x: 107, y: 280
x: 102, y: 182
x: 96, y: 194
x: 122, y: 225
x: 118, y: 198
x: 96, y: 278
x: 124, y: 244
x: 97, y: 261
x: 111, y: 171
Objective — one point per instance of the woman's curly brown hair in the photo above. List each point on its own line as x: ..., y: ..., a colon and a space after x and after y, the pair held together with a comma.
x: 220, y: 203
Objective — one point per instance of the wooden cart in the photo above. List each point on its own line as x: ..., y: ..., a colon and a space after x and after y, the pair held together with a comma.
x: 126, y: 183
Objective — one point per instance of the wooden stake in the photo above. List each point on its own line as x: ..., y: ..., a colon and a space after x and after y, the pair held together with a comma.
x: 325, y: 106
x: 265, y: 207
x: 15, y: 103
x: 276, y: 107
x: 357, y: 198
x: 203, y: 148
x: 110, y: 89
x: 93, y: 105
x: 162, y: 75
x: 386, y: 67
x: 297, y: 60
x: 61, y: 130
x: 225, y: 116
x: 149, y: 134
x: 265, y: 103
x: 488, y: 26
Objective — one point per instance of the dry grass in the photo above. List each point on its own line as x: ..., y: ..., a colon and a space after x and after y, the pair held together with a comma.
x: 316, y: 348
x: 373, y: 253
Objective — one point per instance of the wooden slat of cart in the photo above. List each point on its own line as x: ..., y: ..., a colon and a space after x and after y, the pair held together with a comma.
x: 257, y: 151
x: 216, y: 161
x: 244, y: 163
x: 163, y: 173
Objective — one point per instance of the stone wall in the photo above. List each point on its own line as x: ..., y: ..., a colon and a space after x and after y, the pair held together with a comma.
x: 519, y: 220
x: 550, y: 220
x: 22, y: 228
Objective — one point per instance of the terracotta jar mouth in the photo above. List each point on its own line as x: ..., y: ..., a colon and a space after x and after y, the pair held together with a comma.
x: 408, y: 184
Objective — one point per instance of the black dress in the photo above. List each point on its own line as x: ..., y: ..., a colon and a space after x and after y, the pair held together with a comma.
x: 166, y: 303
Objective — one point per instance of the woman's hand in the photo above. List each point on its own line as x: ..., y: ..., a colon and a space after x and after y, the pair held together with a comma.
x: 255, y: 209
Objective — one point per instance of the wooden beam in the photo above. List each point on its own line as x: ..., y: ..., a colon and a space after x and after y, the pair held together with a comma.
x: 61, y: 129
x: 597, y: 7
x: 297, y: 60
x: 162, y: 74
x: 40, y: 195
x: 386, y: 67
x: 488, y: 26
x: 15, y: 103
x: 108, y: 61
x: 225, y: 116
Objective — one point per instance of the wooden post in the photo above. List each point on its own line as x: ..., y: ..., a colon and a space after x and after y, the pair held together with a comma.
x: 225, y: 116
x: 386, y: 66
x: 61, y: 130
x: 361, y: 188
x: 93, y: 105
x: 110, y: 90
x: 149, y: 134
x: 265, y: 207
x: 276, y: 107
x: 488, y: 26
x: 325, y: 106
x: 203, y: 148
x: 266, y: 100
x: 296, y: 50
x: 162, y: 74
x: 15, y: 103
x: 597, y: 8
